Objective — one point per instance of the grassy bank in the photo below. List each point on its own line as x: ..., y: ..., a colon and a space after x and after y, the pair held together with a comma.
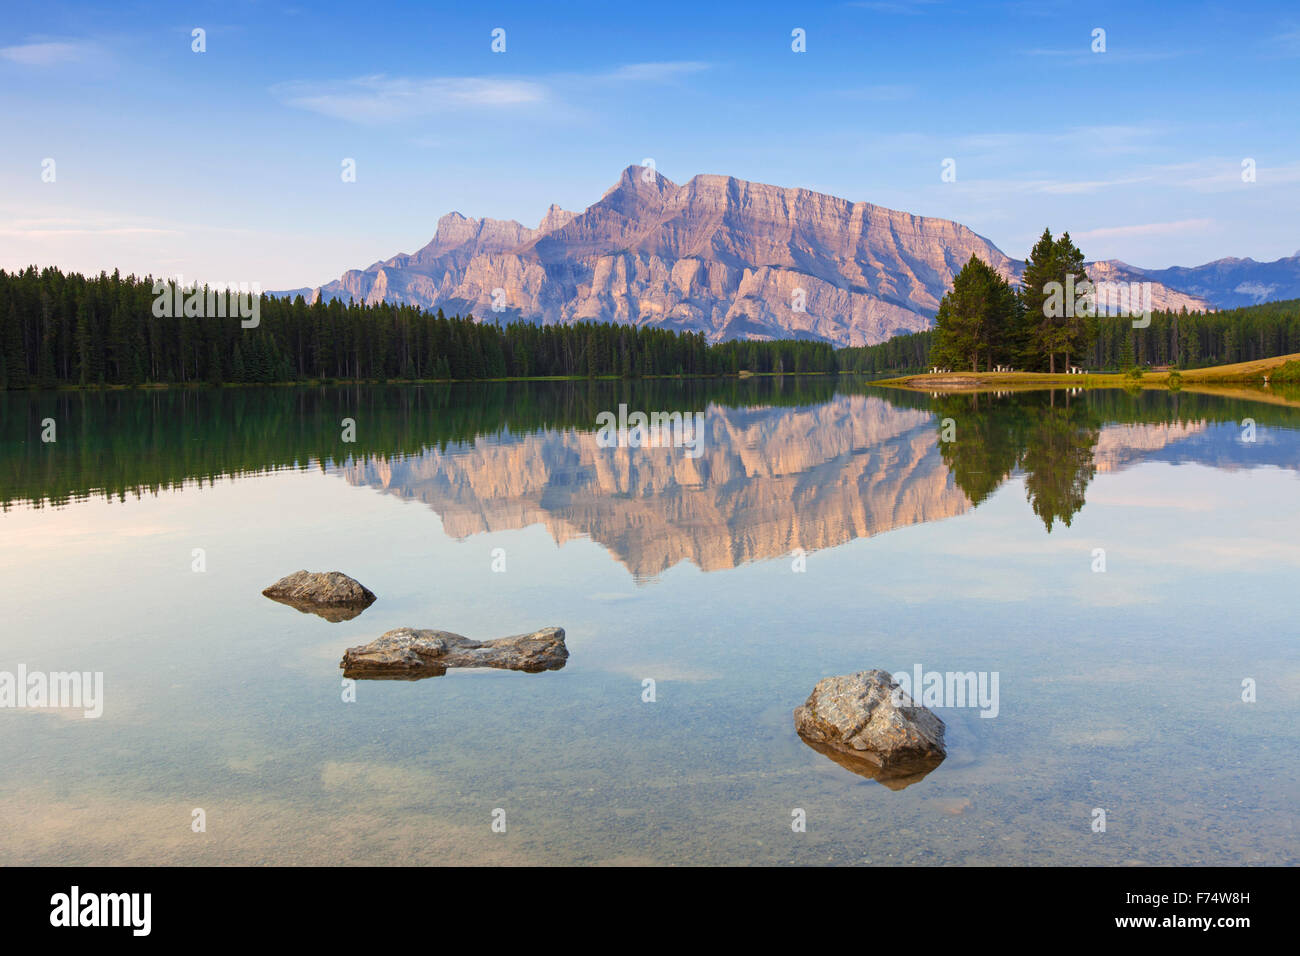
x: 1240, y: 373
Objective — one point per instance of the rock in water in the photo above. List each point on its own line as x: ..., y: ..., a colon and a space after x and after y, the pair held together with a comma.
x: 409, y: 653
x: 866, y: 723
x: 330, y: 594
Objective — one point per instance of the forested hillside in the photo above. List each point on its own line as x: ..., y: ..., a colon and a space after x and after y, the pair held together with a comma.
x: 60, y: 329
x: 66, y: 329
x: 1186, y: 340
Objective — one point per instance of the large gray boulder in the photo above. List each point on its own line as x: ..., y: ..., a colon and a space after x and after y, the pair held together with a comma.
x: 409, y: 653
x: 865, y: 722
x: 330, y: 594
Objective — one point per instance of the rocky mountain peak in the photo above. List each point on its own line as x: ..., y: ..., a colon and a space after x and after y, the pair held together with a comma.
x: 554, y: 219
x: 736, y: 259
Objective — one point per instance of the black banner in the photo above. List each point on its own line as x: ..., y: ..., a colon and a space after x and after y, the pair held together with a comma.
x: 970, y: 904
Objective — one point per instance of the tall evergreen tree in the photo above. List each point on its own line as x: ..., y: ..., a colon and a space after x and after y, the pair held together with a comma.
x: 1056, y: 308
x: 1078, y: 325
x: 974, y: 318
x: 1038, y: 333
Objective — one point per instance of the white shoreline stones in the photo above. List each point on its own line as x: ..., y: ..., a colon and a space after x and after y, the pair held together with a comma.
x: 329, y: 594
x: 855, y: 720
x: 408, y: 653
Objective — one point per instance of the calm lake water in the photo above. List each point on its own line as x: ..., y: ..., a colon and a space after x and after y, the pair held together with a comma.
x: 820, y: 530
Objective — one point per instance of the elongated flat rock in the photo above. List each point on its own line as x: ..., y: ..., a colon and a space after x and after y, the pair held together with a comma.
x: 865, y: 722
x: 409, y: 653
x: 329, y: 594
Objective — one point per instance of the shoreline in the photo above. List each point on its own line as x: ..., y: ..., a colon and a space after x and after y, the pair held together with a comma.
x: 320, y: 382
x: 1237, y: 374
x: 1248, y: 374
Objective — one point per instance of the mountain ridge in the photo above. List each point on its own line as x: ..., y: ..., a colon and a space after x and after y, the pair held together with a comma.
x: 733, y: 259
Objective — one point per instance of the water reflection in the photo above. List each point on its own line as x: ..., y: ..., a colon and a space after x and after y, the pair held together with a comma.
x: 773, y: 480
x: 216, y: 691
x: 1051, y: 439
x: 784, y: 464
x: 335, y: 613
x: 896, y: 777
x: 767, y: 481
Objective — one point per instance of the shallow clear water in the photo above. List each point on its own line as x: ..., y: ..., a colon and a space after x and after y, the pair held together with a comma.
x: 1119, y: 690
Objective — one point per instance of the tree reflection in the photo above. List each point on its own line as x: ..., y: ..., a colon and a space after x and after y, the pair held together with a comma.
x: 1046, y: 436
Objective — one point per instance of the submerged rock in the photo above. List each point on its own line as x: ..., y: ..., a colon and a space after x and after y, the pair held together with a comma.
x: 867, y: 724
x: 330, y: 594
x: 409, y: 653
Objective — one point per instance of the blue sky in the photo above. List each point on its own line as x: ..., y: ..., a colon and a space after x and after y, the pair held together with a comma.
x: 225, y: 165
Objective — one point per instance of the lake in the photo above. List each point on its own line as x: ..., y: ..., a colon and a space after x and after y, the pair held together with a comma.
x: 1126, y: 564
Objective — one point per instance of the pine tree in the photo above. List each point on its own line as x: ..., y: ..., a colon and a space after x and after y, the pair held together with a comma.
x: 215, y: 373
x: 1033, y: 338
x: 1056, y: 315
x: 45, y: 377
x: 974, y: 318
x: 85, y: 344
x: 11, y: 346
x: 1126, y: 352
x: 1078, y: 327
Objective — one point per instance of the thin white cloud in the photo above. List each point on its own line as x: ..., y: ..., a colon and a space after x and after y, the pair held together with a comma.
x: 387, y: 99
x: 1181, y: 227
x: 35, y: 234
x: 1115, y: 139
x: 1085, y: 54
x: 1288, y: 43
x: 881, y: 93
x: 384, y: 99
x: 1000, y: 190
x: 1106, y: 140
x: 907, y: 7
x: 656, y: 72
x: 64, y: 227
x: 1219, y: 175
x: 1087, y: 185
x: 992, y: 143
x: 47, y: 53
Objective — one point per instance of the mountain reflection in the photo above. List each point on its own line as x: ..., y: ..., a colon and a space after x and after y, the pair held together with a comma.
x: 783, y: 464
x: 767, y: 481
x: 771, y: 480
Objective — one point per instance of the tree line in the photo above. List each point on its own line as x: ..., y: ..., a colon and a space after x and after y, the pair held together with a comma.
x: 60, y: 329
x: 1179, y: 339
x: 984, y: 323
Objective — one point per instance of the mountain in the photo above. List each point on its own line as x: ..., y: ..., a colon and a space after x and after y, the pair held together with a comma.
x: 1225, y: 283
x: 718, y: 255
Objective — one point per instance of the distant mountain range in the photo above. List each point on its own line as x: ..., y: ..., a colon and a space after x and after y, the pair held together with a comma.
x: 735, y: 259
